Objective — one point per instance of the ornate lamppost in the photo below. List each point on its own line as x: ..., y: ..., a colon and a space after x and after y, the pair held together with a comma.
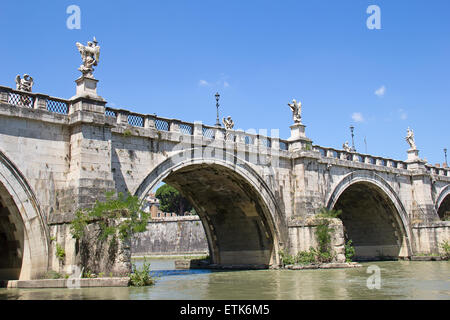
x: 445, y: 155
x: 353, y: 141
x: 217, y: 106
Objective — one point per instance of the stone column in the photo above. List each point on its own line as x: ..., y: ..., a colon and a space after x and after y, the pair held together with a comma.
x: 150, y: 122
x: 4, y: 94
x: 41, y: 101
x: 122, y: 116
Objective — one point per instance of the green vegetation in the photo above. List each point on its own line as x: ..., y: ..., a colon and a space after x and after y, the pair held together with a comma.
x: 446, y: 247
x: 88, y: 274
x: 330, y: 214
x: 119, y: 214
x: 141, y: 277
x: 349, y: 251
x: 60, y: 252
x: 171, y: 200
x: 323, y: 253
x: 306, y: 257
x: 127, y: 133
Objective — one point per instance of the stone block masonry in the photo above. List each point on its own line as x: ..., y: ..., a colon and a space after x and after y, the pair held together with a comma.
x: 171, y: 236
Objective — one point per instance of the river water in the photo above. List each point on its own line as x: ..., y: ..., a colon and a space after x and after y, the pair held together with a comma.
x: 399, y: 280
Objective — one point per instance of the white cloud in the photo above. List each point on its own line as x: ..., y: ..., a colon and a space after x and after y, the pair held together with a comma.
x: 403, y: 114
x: 380, y: 91
x: 226, y: 84
x: 357, y: 117
x: 203, y: 83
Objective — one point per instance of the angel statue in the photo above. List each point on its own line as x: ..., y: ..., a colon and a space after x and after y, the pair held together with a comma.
x: 410, y: 139
x: 25, y: 84
x: 90, y: 55
x: 228, y: 123
x: 346, y: 147
x: 296, y: 111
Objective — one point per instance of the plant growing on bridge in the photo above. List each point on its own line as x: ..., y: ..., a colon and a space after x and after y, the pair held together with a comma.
x: 323, y: 234
x: 121, y: 214
x: 60, y: 252
x: 331, y: 214
x: 349, y: 251
x: 446, y: 247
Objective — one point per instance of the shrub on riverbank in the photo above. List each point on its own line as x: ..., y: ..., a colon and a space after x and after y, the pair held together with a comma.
x: 141, y: 277
x: 446, y: 247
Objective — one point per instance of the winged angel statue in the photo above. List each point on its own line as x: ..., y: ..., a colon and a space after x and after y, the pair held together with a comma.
x: 25, y: 84
x: 296, y: 108
x: 90, y: 55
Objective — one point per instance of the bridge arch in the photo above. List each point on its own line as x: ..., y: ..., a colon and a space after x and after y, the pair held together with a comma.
x: 373, y: 215
x: 23, y: 235
x: 239, y: 212
x: 443, y: 203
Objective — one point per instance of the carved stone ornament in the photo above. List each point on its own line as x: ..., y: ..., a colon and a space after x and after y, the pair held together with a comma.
x: 25, y: 84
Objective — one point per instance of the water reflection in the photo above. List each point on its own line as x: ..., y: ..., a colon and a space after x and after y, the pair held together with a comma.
x: 399, y: 280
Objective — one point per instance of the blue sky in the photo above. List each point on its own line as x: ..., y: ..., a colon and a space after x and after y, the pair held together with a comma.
x: 170, y: 58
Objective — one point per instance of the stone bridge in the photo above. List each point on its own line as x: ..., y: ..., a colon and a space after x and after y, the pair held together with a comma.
x: 254, y: 193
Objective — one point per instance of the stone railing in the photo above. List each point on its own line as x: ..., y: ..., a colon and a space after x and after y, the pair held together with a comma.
x: 33, y: 100
x: 193, y: 129
x: 438, y: 170
x: 373, y: 160
x: 359, y: 157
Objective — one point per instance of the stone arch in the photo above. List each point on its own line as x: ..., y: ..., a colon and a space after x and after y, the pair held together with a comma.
x: 256, y: 211
x: 383, y: 211
x: 443, y: 203
x: 23, y: 224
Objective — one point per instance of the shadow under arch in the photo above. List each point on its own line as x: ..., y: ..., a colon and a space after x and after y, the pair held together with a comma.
x: 443, y: 203
x: 239, y: 212
x: 373, y: 216
x: 22, y: 225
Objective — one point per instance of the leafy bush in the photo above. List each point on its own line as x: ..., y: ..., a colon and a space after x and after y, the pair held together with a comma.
x: 325, y: 213
x: 141, y: 277
x: 306, y: 257
x: 286, y: 258
x: 446, y: 247
x: 121, y: 214
x: 349, y: 251
x: 60, y: 252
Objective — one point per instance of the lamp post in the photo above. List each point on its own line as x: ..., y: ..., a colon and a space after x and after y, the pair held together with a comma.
x: 445, y: 155
x: 217, y: 106
x: 353, y: 141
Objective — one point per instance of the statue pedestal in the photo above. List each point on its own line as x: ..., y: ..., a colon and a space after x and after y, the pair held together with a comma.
x: 87, y: 88
x: 413, y: 155
x: 87, y: 98
x: 414, y: 162
x: 297, y: 132
x: 298, y: 139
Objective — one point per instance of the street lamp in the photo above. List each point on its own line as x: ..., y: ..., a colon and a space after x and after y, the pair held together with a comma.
x: 353, y: 141
x: 217, y: 106
x: 445, y: 154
